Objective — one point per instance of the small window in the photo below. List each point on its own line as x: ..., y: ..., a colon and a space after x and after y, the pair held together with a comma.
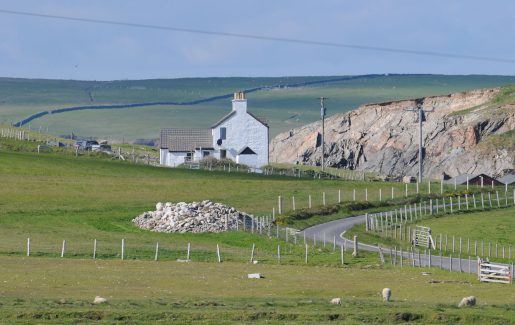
x: 223, y: 133
x: 205, y: 154
x: 223, y: 154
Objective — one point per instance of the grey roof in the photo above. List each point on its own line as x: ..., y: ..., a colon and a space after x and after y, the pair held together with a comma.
x: 226, y: 117
x: 460, y: 179
x: 220, y: 121
x: 508, y: 179
x: 184, y: 140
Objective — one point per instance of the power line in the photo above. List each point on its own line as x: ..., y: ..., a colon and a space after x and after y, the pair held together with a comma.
x: 265, y: 38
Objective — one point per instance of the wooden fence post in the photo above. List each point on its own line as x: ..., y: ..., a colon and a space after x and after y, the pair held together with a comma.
x: 355, y: 248
x: 94, y: 249
x: 63, y: 248
x: 123, y: 249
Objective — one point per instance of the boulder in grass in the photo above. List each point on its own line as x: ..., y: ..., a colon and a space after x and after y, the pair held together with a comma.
x: 99, y: 300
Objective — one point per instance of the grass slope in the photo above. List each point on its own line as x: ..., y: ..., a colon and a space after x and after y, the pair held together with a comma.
x: 285, y: 108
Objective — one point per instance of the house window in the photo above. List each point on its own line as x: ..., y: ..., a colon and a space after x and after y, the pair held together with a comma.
x: 223, y: 133
x: 205, y: 154
x: 223, y: 154
x: 189, y: 155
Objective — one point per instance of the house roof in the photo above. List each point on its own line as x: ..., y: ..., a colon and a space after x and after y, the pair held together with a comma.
x: 508, y: 179
x: 226, y: 117
x: 461, y: 179
x: 186, y: 139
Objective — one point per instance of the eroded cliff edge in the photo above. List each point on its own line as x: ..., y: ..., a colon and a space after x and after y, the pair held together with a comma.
x: 466, y: 132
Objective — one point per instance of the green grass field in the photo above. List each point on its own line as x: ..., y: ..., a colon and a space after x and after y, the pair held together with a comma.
x: 55, y: 196
x: 486, y: 229
x: 46, y: 290
x: 285, y: 108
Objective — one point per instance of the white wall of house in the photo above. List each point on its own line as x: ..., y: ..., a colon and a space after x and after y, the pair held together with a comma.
x: 249, y: 160
x: 176, y: 158
x: 243, y: 130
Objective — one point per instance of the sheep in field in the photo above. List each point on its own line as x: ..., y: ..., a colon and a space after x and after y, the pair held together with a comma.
x: 336, y: 301
x: 387, y: 293
x: 467, y: 301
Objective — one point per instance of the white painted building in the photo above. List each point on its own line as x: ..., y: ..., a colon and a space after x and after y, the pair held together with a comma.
x: 239, y: 136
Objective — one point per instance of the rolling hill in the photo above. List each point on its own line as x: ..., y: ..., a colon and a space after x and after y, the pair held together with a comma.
x: 287, y: 102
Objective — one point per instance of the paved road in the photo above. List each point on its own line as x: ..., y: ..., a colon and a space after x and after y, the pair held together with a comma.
x: 336, y: 230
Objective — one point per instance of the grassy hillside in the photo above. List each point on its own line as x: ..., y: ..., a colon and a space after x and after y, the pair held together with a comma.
x: 285, y: 108
x: 55, y: 196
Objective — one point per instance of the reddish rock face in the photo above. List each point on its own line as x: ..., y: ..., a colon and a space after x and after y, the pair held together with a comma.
x: 384, y: 137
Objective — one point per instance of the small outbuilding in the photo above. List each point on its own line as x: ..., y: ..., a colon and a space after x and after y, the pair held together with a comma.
x: 470, y: 179
x: 508, y: 179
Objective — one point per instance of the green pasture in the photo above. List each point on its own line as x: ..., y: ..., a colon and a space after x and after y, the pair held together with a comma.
x: 285, y: 108
x: 51, y: 290
x: 480, y: 231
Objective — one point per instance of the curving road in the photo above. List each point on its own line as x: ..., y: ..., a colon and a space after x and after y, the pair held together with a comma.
x: 335, y: 230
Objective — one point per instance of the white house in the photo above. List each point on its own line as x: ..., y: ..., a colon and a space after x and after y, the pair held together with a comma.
x: 239, y: 136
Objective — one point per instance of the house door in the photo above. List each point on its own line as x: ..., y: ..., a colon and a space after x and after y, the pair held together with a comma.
x: 223, y: 154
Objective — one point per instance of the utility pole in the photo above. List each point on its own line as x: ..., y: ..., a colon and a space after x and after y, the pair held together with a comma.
x: 322, y: 117
x: 420, y: 112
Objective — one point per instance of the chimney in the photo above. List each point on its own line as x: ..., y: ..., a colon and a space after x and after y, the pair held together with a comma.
x: 239, y: 103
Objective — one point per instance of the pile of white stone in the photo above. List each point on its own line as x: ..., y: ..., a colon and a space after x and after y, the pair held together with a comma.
x: 205, y: 216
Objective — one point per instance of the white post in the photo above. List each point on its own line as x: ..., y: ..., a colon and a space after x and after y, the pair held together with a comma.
x: 339, y: 196
x: 380, y: 195
x: 278, y: 253
x: 406, y: 191
x: 429, y: 187
x: 441, y: 187
x: 355, y: 252
x: 323, y: 198
x: 366, y: 194
x: 189, y: 251
x: 63, y: 248
x: 309, y: 201
x: 157, y: 251
x: 306, y: 258
x: 218, y: 253
x: 354, y: 195
x: 293, y: 202
x: 123, y: 249
x: 252, y: 253
x: 341, y: 253
x: 28, y: 246
x: 279, y: 205
x: 94, y: 249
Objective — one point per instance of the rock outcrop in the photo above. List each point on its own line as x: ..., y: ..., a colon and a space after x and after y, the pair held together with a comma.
x: 205, y: 216
x: 384, y: 137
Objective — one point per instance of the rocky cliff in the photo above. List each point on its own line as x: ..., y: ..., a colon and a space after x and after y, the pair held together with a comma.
x: 467, y: 132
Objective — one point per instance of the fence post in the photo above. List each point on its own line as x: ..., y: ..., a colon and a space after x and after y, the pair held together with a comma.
x: 188, y: 252
x: 28, y: 246
x: 278, y: 253
x: 123, y: 249
x: 293, y: 202
x: 380, y: 195
x: 339, y: 196
x: 306, y: 256
x: 341, y: 253
x: 354, y: 195
x: 355, y: 251
x: 280, y: 205
x: 309, y: 201
x: 323, y: 198
x: 157, y: 251
x: 218, y: 253
x: 366, y: 194
x: 94, y: 249
x: 252, y: 253
x: 63, y: 248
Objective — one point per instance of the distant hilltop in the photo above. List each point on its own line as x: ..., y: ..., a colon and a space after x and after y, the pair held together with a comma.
x: 466, y: 132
